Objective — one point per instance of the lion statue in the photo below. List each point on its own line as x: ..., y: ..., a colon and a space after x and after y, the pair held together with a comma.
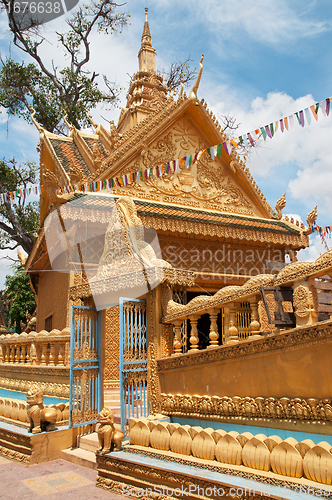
x: 108, y: 436
x: 41, y: 418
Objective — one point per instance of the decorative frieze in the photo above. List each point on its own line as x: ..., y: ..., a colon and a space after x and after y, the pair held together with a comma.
x: 234, y: 408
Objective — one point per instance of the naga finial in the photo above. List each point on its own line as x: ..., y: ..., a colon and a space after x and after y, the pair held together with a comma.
x: 193, y: 93
x: 94, y: 124
x: 182, y: 87
x: 36, y: 124
x: 280, y: 205
x: 312, y: 216
x: 70, y: 127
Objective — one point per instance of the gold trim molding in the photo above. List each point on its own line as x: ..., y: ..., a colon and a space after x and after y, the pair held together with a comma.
x: 259, y: 408
x: 48, y: 388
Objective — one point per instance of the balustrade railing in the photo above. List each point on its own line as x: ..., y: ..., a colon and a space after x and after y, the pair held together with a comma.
x: 43, y: 348
x: 241, y: 321
x: 265, y: 304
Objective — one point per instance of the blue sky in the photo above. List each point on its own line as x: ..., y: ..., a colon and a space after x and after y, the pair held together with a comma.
x: 262, y: 60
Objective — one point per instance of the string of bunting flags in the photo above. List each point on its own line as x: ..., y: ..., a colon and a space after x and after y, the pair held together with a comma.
x: 324, y: 232
x: 248, y: 140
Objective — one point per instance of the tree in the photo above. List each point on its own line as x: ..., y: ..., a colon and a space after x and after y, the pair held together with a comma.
x: 177, y: 73
x: 19, y: 219
x: 51, y: 90
x: 21, y: 297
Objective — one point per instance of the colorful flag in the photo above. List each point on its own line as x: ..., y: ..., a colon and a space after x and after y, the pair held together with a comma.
x: 307, y: 115
x: 268, y: 131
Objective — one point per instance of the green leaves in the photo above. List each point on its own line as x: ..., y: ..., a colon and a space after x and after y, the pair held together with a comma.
x: 54, y: 90
x: 19, y: 220
x: 21, y: 297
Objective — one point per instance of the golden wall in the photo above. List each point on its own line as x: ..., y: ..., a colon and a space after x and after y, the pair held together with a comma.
x: 293, y: 364
x: 53, y: 299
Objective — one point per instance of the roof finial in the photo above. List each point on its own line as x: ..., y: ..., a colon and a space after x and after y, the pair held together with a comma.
x: 36, y: 124
x: 146, y: 37
x: 193, y: 93
x: 69, y: 125
x: 94, y: 124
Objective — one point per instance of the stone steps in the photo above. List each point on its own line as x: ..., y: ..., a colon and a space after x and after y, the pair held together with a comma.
x: 87, y: 444
x: 84, y: 454
x: 112, y: 400
x: 80, y: 457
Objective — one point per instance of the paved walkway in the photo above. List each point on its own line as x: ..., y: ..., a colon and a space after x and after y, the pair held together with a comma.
x: 52, y: 480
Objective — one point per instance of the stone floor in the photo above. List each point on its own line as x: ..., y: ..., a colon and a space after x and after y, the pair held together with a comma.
x: 52, y: 480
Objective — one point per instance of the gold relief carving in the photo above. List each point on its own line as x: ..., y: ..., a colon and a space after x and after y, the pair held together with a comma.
x: 48, y: 388
x: 300, y: 301
x: 204, y: 229
x: 153, y: 378
x: 5, y: 440
x: 225, y: 408
x: 185, y: 135
x: 112, y: 346
x: 166, y: 340
x: 313, y: 297
x: 272, y: 305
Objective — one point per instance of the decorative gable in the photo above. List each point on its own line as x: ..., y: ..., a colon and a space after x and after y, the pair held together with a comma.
x: 208, y: 184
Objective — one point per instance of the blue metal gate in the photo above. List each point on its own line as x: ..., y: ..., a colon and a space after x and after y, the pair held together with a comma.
x: 84, y: 388
x: 133, y: 360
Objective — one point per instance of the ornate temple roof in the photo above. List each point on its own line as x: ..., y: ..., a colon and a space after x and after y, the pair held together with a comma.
x: 218, y: 198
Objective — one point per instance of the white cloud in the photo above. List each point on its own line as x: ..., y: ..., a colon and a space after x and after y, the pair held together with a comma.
x: 301, y: 158
x: 315, y: 250
x: 273, y: 22
x: 5, y: 264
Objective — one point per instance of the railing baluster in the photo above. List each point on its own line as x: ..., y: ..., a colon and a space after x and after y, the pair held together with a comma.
x: 213, y: 335
x: 177, y: 342
x: 194, y: 340
x: 233, y: 336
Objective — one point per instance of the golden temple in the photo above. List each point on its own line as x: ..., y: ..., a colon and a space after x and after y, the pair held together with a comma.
x: 212, y: 351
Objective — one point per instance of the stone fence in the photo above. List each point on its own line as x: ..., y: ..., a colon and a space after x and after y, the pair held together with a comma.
x: 42, y: 348
x: 285, y: 457
x: 16, y: 410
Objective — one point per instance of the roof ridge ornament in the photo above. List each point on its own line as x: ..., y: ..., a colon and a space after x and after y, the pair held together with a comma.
x: 280, y: 205
x: 193, y: 93
x: 36, y: 124
x: 311, y: 219
x: 182, y: 87
x: 94, y: 124
x: 70, y: 127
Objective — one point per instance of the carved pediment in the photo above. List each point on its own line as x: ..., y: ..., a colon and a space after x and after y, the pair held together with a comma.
x: 208, y: 183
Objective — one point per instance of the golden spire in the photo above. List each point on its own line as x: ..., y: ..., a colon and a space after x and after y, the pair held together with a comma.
x: 147, y: 54
x: 146, y: 37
